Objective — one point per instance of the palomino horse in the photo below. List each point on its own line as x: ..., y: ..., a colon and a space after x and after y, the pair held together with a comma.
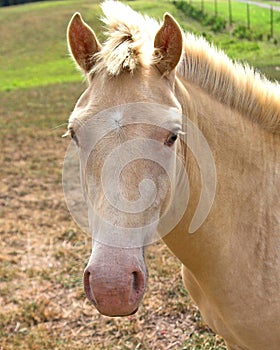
x: 231, y: 264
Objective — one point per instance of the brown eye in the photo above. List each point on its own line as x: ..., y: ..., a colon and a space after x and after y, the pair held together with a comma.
x: 171, y: 140
x: 74, y: 136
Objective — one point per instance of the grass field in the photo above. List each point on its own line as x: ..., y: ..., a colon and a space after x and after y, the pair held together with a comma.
x: 34, y: 53
x: 42, y: 252
x: 259, y: 17
x: 263, y: 54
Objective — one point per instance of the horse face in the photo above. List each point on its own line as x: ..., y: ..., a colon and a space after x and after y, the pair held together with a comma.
x: 123, y: 217
x: 127, y: 169
x: 126, y: 127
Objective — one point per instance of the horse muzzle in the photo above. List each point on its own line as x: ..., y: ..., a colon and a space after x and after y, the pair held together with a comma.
x: 116, y: 284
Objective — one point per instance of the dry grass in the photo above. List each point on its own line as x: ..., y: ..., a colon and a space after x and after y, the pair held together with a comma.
x: 43, y: 253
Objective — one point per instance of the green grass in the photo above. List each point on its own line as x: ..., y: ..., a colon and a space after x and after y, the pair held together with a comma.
x: 263, y: 54
x: 259, y: 17
x: 33, y: 43
x: 34, y: 53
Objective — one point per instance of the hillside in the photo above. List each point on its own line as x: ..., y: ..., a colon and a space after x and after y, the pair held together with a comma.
x: 34, y: 52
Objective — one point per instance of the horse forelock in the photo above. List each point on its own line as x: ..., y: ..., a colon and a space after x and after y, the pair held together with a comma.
x: 130, y: 38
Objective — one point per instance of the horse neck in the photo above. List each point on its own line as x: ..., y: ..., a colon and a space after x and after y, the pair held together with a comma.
x: 246, y: 164
x: 232, y: 136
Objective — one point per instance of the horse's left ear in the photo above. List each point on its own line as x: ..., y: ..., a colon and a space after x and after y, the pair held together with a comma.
x: 82, y: 43
x: 168, y: 45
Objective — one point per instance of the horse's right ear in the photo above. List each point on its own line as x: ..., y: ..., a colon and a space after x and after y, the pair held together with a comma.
x: 168, y: 45
x: 82, y: 43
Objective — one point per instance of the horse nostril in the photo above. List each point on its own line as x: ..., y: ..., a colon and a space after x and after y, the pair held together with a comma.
x: 137, y: 281
x: 134, y: 280
x: 137, y: 286
x: 87, y: 287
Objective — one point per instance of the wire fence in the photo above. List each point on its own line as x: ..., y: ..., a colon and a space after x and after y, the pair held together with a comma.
x: 253, y: 19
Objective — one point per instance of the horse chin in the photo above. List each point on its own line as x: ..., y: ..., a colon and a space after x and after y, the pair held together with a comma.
x: 111, y: 310
x: 122, y: 312
x: 105, y: 311
x: 121, y: 315
x: 134, y: 312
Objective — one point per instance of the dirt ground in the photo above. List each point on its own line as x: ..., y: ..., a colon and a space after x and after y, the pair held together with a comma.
x: 43, y: 253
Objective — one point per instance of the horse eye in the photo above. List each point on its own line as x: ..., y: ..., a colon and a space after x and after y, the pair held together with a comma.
x: 171, y: 140
x: 74, y: 136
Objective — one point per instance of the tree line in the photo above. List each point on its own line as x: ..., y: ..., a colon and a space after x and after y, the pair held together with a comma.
x: 15, y: 2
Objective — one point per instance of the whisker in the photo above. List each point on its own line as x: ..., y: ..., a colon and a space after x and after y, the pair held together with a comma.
x: 59, y: 126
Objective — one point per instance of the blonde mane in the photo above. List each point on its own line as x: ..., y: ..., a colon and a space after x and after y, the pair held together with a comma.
x: 231, y: 83
x: 130, y: 44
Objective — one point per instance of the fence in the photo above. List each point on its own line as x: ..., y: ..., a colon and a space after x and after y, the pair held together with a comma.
x: 233, y: 11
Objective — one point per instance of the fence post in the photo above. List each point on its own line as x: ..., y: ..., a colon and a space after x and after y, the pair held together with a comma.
x: 271, y: 22
x: 229, y: 12
x: 202, y: 6
x: 216, y: 8
x: 248, y: 16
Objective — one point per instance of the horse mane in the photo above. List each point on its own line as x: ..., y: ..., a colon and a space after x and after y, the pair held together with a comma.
x: 236, y: 85
x: 130, y: 44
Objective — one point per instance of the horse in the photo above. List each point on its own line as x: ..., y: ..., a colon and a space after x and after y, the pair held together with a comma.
x: 230, y: 259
